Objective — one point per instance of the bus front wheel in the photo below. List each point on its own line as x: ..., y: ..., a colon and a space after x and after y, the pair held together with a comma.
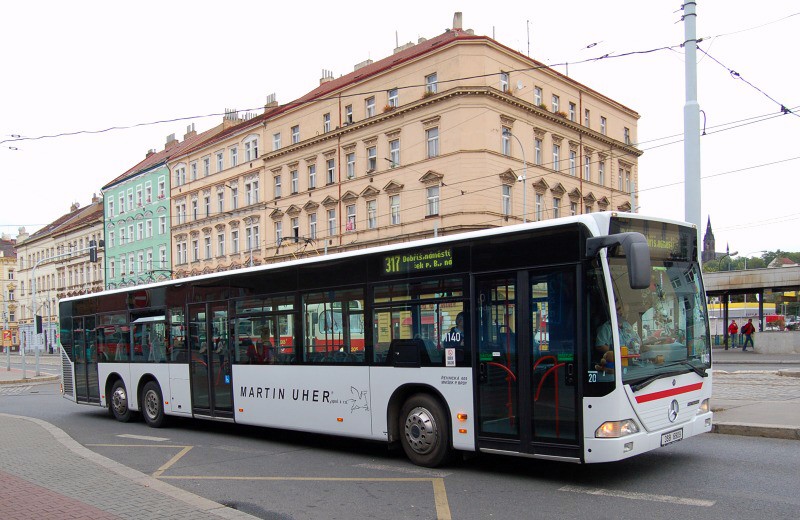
x: 153, y: 405
x: 425, y: 436
x: 118, y: 404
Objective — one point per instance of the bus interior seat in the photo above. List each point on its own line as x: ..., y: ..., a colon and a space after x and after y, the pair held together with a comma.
x: 408, y: 353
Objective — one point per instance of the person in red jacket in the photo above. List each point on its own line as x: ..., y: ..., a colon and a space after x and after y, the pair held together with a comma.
x: 733, y: 330
x: 748, y: 330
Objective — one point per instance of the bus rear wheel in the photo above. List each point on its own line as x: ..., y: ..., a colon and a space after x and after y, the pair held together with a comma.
x: 426, y: 434
x: 118, y: 404
x: 153, y: 405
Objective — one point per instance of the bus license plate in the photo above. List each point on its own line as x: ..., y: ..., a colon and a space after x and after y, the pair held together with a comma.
x: 670, y: 437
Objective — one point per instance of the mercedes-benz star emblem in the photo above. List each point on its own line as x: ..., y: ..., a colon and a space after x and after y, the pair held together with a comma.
x: 672, y: 414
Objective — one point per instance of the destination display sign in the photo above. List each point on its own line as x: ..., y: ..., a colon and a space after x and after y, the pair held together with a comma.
x: 418, y: 261
x: 666, y: 241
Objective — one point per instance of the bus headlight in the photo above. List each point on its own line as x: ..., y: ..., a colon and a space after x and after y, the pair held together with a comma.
x: 615, y: 429
x: 705, y: 406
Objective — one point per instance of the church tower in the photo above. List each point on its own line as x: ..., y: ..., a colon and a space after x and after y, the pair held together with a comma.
x: 709, y: 244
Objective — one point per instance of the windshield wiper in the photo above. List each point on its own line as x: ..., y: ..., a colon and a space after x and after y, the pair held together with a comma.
x: 646, y: 381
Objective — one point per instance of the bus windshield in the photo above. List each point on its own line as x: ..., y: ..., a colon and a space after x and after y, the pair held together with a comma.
x: 662, y: 329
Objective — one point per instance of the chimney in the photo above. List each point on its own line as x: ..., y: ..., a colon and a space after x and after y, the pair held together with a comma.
x: 404, y: 47
x: 457, y: 21
x: 362, y: 64
x: 230, y: 118
x: 171, y: 141
x: 272, y: 101
x: 150, y: 152
x: 95, y: 198
x: 74, y: 207
x: 327, y: 75
x: 190, y: 132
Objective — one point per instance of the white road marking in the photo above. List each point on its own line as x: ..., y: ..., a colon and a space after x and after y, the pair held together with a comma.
x: 142, y: 437
x: 639, y: 496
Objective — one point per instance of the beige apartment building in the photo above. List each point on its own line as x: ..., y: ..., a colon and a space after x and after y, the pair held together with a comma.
x: 451, y: 134
x: 8, y: 292
x: 59, y: 253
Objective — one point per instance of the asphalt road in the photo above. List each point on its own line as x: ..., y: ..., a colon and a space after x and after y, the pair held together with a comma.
x: 275, y: 474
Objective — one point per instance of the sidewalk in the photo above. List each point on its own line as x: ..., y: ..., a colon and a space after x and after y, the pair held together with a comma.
x: 756, y: 402
x: 47, y: 480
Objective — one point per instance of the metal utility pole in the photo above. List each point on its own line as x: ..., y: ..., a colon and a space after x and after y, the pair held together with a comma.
x: 524, y: 177
x: 691, y: 119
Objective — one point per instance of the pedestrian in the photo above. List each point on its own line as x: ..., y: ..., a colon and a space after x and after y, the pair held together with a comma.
x: 733, y: 329
x: 747, y: 331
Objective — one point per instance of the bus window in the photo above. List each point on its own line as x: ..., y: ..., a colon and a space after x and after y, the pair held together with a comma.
x: 176, y: 339
x: 333, y: 326
x: 111, y: 341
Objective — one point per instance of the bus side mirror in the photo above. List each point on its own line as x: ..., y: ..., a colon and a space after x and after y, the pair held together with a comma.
x: 637, y: 254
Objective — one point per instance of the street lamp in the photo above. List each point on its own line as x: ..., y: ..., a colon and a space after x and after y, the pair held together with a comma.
x: 507, y: 132
x: 750, y: 253
x: 729, y: 255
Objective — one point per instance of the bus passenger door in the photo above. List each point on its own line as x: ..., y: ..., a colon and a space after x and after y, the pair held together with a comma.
x: 210, y: 361
x: 84, y: 348
x: 526, y: 341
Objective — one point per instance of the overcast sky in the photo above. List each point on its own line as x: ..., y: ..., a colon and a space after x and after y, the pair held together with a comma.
x: 90, y: 65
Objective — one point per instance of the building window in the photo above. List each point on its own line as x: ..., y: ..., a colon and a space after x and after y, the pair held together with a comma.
x: 139, y: 230
x: 129, y: 205
x: 572, y: 112
x: 206, y: 166
x: 251, y: 192
x: 295, y: 134
x: 295, y: 222
x: 506, y: 197
x: 350, y: 223
x: 162, y: 225
x: 539, y: 206
x: 122, y: 203
x: 505, y: 135
x: 432, y: 138
x: 207, y: 244
x: 627, y: 135
x: 586, y: 117
x: 573, y: 159
x: 587, y: 168
x: 312, y: 176
x: 555, y: 103
x: 537, y: 151
x: 207, y: 204
x: 139, y: 199
x: 331, y: 222
x: 369, y: 105
x: 372, y: 158
x: 394, y: 205
x: 295, y: 181
x: 180, y: 175
x: 394, y: 100
x: 573, y: 208
x: 278, y: 233
x: 221, y: 201
x: 372, y: 214
x: 220, y: 161
x: 588, y: 209
x: 110, y: 239
x: 235, y: 197
x: 277, y: 186
x: 326, y: 122
x: 431, y: 82
x: 111, y: 207
x: 394, y: 153
x: 602, y: 125
x: 148, y: 228
x: 312, y: 226
x: 330, y: 171
x: 504, y: 81
x: 620, y: 179
x: 162, y: 187
x: 193, y: 170
x: 252, y: 239
x: 148, y: 192
x: 234, y: 156
x: 221, y: 244
x: 234, y: 241
x: 556, y: 209
x: 601, y: 172
x: 348, y: 114
x: 628, y: 181
x: 537, y: 96
x: 112, y: 270
x: 251, y: 149
x: 276, y: 141
x: 432, y: 195
x: 194, y: 210
x: 162, y: 257
x: 556, y: 157
x: 351, y: 165
x: 195, y: 250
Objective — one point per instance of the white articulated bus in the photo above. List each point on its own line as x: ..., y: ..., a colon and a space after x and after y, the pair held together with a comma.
x: 581, y: 339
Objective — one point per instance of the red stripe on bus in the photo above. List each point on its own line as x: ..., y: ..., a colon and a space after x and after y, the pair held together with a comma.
x: 668, y: 393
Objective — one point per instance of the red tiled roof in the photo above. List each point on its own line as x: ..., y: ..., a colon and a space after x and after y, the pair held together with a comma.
x: 7, y: 247
x: 164, y: 155
x: 70, y: 221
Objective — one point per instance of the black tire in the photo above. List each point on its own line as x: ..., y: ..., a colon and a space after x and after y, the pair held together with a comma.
x: 425, y: 431
x: 118, y: 403
x: 152, y: 405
